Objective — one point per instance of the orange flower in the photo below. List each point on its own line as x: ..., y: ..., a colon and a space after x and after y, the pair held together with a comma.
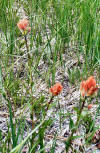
x: 56, y: 89
x: 90, y: 106
x: 88, y: 87
x: 23, y: 25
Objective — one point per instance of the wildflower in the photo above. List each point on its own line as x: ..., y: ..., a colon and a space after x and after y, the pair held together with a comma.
x: 88, y: 87
x: 90, y: 106
x: 23, y: 25
x: 56, y: 89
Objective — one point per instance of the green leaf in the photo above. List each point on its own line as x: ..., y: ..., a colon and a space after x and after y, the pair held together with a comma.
x: 76, y: 109
x: 71, y: 124
x: 20, y: 146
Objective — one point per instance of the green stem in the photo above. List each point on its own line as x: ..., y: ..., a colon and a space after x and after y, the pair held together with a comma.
x: 69, y: 141
x: 30, y: 84
x: 13, y: 129
x: 12, y: 125
x: 30, y: 74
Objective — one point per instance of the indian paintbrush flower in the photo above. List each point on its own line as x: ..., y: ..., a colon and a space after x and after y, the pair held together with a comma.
x: 56, y: 89
x: 23, y: 26
x: 88, y: 87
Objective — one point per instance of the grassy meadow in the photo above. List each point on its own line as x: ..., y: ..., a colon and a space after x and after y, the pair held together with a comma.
x: 49, y: 101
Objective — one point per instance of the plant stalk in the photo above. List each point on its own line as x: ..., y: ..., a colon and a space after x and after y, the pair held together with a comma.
x: 69, y: 141
x: 49, y: 103
x: 30, y: 87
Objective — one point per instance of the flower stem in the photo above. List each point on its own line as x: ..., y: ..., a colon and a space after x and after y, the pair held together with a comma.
x: 30, y: 87
x: 69, y: 141
x: 31, y: 80
x: 29, y: 57
x: 49, y: 103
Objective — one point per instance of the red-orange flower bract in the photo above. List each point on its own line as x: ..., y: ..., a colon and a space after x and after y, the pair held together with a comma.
x: 90, y: 106
x: 23, y: 25
x: 56, y: 89
x: 88, y: 87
